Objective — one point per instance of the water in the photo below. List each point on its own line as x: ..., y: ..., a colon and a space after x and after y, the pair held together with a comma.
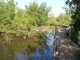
x: 20, y: 49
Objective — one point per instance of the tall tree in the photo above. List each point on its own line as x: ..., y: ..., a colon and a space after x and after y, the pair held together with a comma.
x: 32, y: 11
x: 44, y: 11
x: 74, y: 6
x: 2, y: 14
x: 52, y: 20
x: 39, y: 14
x: 64, y: 19
x: 7, y: 14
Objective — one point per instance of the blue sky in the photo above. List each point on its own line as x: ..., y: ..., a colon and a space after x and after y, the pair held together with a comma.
x: 55, y: 4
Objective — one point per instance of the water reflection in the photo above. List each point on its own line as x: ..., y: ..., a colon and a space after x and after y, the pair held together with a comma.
x: 19, y: 49
x: 20, y: 56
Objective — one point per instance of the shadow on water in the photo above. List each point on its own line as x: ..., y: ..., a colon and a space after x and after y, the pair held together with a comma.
x: 34, y: 49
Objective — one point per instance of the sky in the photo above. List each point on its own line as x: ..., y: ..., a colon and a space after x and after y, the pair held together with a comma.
x: 55, y: 4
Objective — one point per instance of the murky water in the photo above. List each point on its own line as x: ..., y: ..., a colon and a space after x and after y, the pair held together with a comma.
x: 20, y: 49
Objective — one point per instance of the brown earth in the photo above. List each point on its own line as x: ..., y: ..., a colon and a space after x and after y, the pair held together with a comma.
x: 45, y: 28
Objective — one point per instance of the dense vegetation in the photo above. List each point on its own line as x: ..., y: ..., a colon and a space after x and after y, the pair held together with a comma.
x: 74, y: 9
x: 16, y: 20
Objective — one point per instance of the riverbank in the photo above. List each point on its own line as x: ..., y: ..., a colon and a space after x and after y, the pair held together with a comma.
x: 33, y: 33
x: 45, y: 28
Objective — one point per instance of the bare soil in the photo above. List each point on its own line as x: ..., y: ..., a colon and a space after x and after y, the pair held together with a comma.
x: 45, y: 28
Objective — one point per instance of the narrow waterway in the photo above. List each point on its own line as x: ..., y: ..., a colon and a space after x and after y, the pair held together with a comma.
x: 20, y: 49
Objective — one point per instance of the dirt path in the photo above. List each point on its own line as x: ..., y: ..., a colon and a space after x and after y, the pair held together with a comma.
x: 67, y: 47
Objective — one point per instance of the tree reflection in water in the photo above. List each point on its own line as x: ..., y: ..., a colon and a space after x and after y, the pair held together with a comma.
x: 23, y: 49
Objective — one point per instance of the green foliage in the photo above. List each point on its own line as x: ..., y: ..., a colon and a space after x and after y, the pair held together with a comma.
x: 24, y: 22
x: 74, y: 6
x: 74, y: 36
x: 38, y: 13
x: 32, y: 11
x: 27, y: 20
x: 61, y: 19
x: 44, y: 14
x: 64, y: 19
x: 75, y: 11
x: 52, y: 20
x: 6, y: 15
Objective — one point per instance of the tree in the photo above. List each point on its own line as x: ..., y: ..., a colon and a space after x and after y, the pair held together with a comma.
x: 32, y: 11
x: 44, y: 13
x: 22, y: 22
x: 39, y: 14
x: 52, y: 20
x: 74, y: 6
x: 64, y: 19
x: 2, y: 14
x: 7, y: 15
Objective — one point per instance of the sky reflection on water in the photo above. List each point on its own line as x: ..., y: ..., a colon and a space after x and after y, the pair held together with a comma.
x: 28, y: 50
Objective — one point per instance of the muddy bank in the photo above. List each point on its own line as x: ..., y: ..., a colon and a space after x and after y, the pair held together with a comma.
x: 45, y: 28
